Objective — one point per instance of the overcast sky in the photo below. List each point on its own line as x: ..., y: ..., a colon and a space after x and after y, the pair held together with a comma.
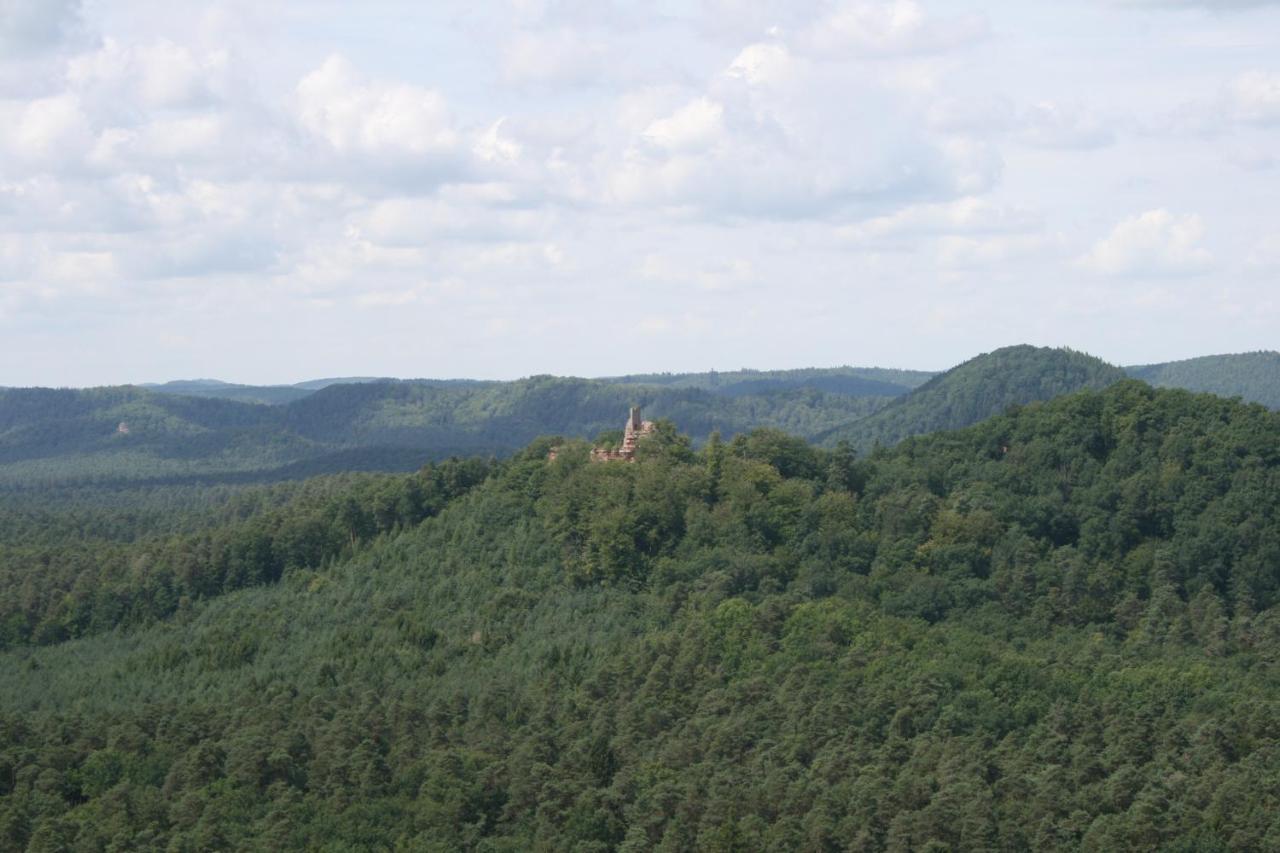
x: 274, y: 191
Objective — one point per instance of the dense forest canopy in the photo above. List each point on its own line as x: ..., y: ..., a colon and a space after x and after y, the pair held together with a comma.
x: 131, y: 434
x: 1057, y: 629
x: 1254, y: 376
x: 855, y: 381
x: 274, y: 394
x: 977, y: 389
x: 206, y: 432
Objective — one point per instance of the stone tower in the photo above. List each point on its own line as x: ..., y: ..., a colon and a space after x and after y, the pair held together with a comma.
x: 635, y: 430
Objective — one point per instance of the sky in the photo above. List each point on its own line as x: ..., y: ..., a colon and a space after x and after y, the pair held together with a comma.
x: 271, y: 192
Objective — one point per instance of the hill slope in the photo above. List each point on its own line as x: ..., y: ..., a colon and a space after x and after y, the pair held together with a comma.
x: 270, y: 394
x: 1056, y: 630
x: 853, y: 381
x: 117, y: 434
x: 849, y: 381
x: 127, y: 433
x: 977, y: 389
x: 1254, y: 376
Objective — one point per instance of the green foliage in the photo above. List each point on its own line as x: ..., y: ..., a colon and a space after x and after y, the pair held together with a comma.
x: 1055, y: 630
x: 85, y: 568
x: 1253, y: 376
x: 979, y: 388
x: 851, y: 381
x: 268, y: 394
x: 204, y: 432
x: 130, y: 435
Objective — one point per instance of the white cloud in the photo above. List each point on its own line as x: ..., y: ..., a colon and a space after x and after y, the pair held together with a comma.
x: 891, y: 28
x: 389, y: 298
x: 494, y: 147
x: 734, y: 21
x: 843, y: 29
x: 16, y: 257
x: 1254, y: 98
x: 970, y: 166
x: 560, y: 57
x: 1154, y: 243
x: 1248, y: 101
x: 85, y: 270
x: 528, y: 257
x: 595, y: 14
x: 48, y: 133
x: 1208, y: 5
x: 419, y: 221
x: 975, y: 252
x: 1051, y: 125
x: 1265, y: 254
x: 979, y: 113
x: 1256, y: 157
x: 773, y: 138
x: 1044, y: 124
x: 832, y: 160
x: 355, y: 115
x: 762, y: 63
x: 696, y: 126
x: 159, y: 75
x: 726, y: 275
x: 156, y: 107
x: 969, y: 215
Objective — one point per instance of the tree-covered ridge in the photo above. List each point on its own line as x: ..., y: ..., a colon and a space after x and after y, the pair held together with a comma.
x: 131, y: 434
x: 979, y: 388
x: 1254, y: 376
x: 268, y: 394
x: 272, y: 394
x: 1057, y: 629
x: 854, y: 381
x: 78, y: 570
x: 127, y: 434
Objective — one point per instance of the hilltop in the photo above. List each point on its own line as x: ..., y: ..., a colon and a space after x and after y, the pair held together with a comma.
x: 1253, y: 376
x: 975, y: 390
x: 852, y: 381
x: 220, y: 432
x: 133, y: 434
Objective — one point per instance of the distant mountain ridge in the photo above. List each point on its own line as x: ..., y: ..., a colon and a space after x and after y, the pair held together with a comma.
x: 976, y: 390
x: 49, y: 435
x: 856, y: 381
x: 269, y: 394
x: 851, y: 381
x: 1254, y: 376
x: 206, y: 428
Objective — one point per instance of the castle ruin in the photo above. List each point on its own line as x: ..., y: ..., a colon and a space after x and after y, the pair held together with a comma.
x: 635, y: 430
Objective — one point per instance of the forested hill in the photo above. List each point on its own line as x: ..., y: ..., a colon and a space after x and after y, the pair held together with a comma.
x: 105, y: 435
x: 271, y: 394
x: 979, y: 388
x: 1055, y: 630
x: 131, y: 434
x: 1254, y: 376
x: 853, y: 381
x: 849, y: 381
